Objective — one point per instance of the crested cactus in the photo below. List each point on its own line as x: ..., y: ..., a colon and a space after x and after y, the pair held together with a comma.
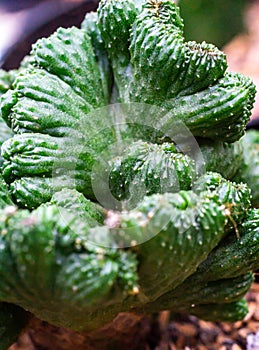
x: 125, y: 175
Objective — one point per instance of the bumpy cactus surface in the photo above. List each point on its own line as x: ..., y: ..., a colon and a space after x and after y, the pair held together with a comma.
x: 128, y: 183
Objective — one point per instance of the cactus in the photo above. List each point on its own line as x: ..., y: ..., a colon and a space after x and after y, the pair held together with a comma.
x: 126, y: 207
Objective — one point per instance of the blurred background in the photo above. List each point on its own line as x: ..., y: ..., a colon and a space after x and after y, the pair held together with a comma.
x: 232, y: 25
x: 22, y: 22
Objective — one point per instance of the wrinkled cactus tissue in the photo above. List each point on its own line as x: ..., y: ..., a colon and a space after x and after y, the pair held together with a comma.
x: 128, y: 182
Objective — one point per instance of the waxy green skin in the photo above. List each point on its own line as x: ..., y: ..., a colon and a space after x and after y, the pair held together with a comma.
x: 238, y: 161
x: 154, y: 65
x: 6, y: 81
x: 49, y: 251
x: 145, y: 46
x: 54, y: 264
x: 222, y: 277
x: 145, y: 168
x: 12, y: 318
x: 248, y: 171
x: 74, y: 263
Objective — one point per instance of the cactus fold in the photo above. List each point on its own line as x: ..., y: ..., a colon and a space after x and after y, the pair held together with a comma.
x: 126, y: 182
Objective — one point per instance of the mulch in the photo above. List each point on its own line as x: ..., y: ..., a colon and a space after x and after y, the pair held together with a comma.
x: 189, y: 333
